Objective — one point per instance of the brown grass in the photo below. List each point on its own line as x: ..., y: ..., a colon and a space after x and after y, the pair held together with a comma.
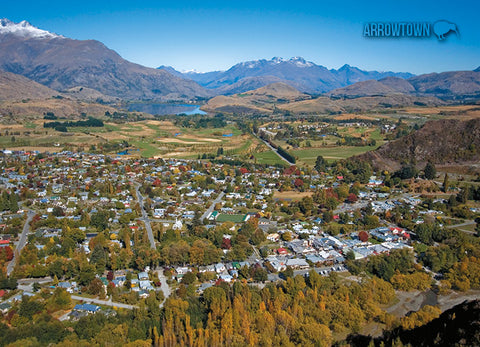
x: 291, y: 195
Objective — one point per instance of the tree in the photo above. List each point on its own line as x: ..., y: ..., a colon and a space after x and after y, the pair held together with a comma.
x: 306, y: 205
x: 406, y: 172
x: 260, y: 274
x: 287, y: 236
x: 96, y: 287
x: 288, y: 272
x: 363, y: 236
x: 445, y: 183
x: 430, y: 171
x: 188, y: 278
x: 352, y: 198
x: 99, y: 220
x: 320, y: 164
x: 98, y: 258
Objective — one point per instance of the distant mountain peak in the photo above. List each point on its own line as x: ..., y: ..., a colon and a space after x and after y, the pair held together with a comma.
x: 300, y: 62
x: 477, y: 69
x: 24, y: 29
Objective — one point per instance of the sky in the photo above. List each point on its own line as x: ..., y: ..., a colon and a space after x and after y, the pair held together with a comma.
x: 215, y: 35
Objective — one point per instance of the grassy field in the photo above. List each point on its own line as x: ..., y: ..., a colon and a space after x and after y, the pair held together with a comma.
x: 291, y: 195
x: 268, y: 157
x: 151, y: 138
x: 308, y: 156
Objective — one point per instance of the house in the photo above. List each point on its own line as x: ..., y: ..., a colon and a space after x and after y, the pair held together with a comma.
x: 76, y: 315
x: 181, y: 271
x: 277, y: 264
x: 274, y: 237
x: 226, y: 278
x: 282, y: 251
x: 89, y: 308
x: 142, y: 276
x: 201, y: 288
x: 145, y: 285
x: 213, y: 215
x: 178, y: 225
x: 297, y: 263
x: 4, y: 307
x: 220, y: 267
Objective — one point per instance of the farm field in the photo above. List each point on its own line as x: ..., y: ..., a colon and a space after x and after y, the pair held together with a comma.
x: 149, y: 138
x: 268, y: 157
x: 308, y: 156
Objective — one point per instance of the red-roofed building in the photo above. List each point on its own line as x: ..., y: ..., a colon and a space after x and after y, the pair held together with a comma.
x: 282, y: 251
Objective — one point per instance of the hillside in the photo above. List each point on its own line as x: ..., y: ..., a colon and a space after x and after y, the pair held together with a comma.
x: 281, y: 96
x: 261, y: 100
x: 89, y: 94
x: 62, y: 63
x: 443, y: 142
x: 385, y: 86
x: 16, y: 87
x: 359, y: 104
x: 448, y: 83
x: 19, y: 110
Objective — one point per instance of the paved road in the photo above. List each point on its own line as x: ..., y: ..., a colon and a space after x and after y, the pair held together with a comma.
x: 22, y: 241
x: 27, y: 281
x: 464, y: 224
x: 212, y: 206
x: 104, y: 302
x: 164, y: 287
x: 145, y: 218
x: 274, y: 150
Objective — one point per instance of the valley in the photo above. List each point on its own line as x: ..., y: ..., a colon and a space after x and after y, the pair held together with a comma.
x: 274, y: 203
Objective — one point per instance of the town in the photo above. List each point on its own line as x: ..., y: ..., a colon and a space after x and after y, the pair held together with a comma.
x: 100, y: 233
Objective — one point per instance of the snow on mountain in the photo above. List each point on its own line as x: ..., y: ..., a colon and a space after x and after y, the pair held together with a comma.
x: 300, y: 62
x: 24, y: 29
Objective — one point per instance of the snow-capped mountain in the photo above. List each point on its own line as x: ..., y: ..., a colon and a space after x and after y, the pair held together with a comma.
x: 304, y: 75
x: 62, y: 63
x: 24, y: 29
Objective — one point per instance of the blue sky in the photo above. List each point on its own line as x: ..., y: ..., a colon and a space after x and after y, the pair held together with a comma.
x: 212, y: 35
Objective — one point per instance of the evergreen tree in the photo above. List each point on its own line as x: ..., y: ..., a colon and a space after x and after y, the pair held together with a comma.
x: 445, y: 183
x: 430, y: 171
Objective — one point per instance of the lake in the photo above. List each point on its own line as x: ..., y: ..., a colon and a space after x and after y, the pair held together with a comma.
x: 164, y: 109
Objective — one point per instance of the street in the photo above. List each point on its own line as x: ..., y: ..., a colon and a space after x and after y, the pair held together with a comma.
x: 145, y: 218
x: 104, y: 302
x: 22, y: 241
x: 212, y: 206
x: 164, y: 285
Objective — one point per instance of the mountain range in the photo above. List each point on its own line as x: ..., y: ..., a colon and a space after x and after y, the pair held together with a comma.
x: 88, y: 70
x: 305, y: 76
